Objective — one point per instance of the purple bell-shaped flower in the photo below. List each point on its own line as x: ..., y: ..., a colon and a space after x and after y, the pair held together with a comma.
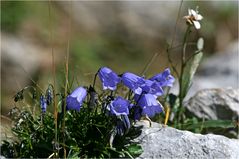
x: 76, y: 98
x: 108, y: 78
x: 164, y: 78
x: 133, y: 82
x: 149, y: 105
x: 43, y: 103
x: 119, y: 106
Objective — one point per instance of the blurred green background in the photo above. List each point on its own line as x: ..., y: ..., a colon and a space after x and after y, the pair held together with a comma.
x: 122, y: 35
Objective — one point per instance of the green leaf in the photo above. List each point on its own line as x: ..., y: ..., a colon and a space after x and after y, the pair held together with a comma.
x: 73, y: 154
x: 135, y: 149
x: 189, y: 71
x: 112, y: 137
x: 212, y: 124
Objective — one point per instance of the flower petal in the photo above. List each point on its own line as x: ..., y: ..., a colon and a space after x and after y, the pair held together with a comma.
x: 76, y: 98
x: 119, y: 106
x: 152, y: 87
x: 189, y: 12
x: 199, y: 17
x: 108, y: 78
x: 72, y: 104
x: 164, y: 78
x: 43, y: 103
x: 150, y: 105
x: 197, y: 24
x: 133, y: 82
x: 193, y: 12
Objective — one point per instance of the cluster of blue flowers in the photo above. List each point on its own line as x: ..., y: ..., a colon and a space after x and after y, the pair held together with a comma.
x: 145, y: 92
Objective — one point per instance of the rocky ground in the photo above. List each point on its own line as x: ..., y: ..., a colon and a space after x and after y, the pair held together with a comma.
x: 166, y: 142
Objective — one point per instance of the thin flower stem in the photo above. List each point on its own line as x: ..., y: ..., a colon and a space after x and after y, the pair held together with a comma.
x: 66, y: 78
x: 175, y: 26
x: 171, y: 45
x: 149, y: 120
x: 167, y: 114
x: 183, y: 57
x: 181, y: 45
x: 54, y: 76
x: 41, y: 90
x: 95, y: 79
x: 129, y: 94
x: 149, y: 64
x: 171, y: 64
x: 111, y: 93
x: 175, y: 47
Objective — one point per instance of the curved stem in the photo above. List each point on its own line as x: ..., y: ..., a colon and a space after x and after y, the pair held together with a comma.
x: 95, y: 79
x: 171, y: 45
x: 149, y: 64
x: 183, y: 57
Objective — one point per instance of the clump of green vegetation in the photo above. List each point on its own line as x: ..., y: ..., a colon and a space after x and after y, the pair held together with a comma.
x: 86, y: 123
x: 88, y: 129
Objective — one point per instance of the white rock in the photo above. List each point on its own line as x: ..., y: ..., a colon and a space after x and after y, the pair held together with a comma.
x: 215, y: 104
x: 167, y: 142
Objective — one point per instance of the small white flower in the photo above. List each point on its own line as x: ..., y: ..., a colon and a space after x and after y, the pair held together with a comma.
x: 193, y: 18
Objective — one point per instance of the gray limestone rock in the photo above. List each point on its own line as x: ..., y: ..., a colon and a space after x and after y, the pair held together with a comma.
x: 167, y: 142
x: 215, y: 104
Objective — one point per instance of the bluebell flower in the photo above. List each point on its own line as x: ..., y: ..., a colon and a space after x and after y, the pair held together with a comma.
x: 43, y: 103
x: 119, y: 106
x: 75, y: 99
x: 164, y: 78
x: 152, y: 87
x: 133, y: 82
x: 48, y: 96
x: 149, y: 105
x: 137, y: 111
x: 120, y: 128
x: 126, y: 121
x: 108, y: 78
x: 123, y: 125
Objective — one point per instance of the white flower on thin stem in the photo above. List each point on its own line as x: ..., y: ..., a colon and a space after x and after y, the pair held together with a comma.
x: 193, y: 18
